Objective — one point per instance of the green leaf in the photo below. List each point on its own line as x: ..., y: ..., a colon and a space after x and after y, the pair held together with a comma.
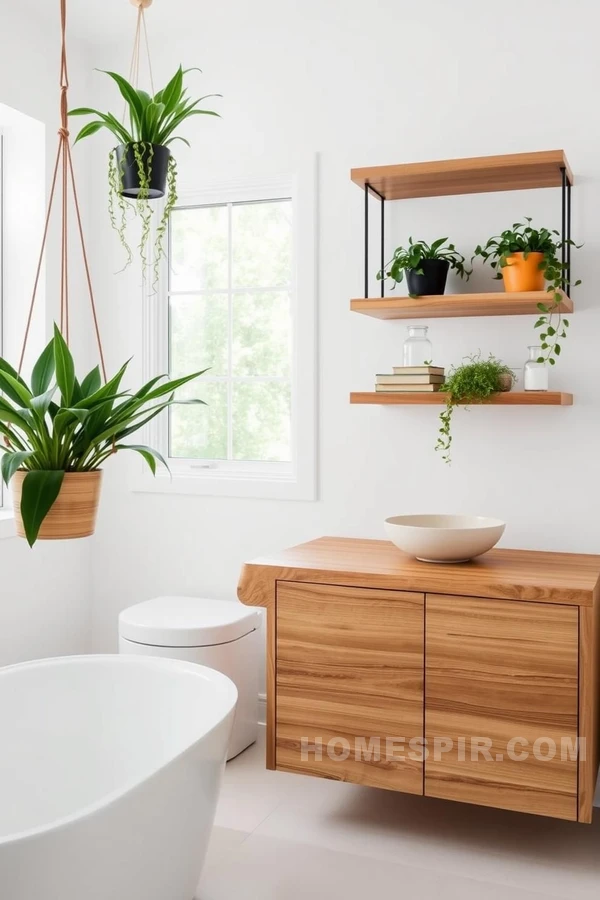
x: 91, y: 383
x: 178, y: 138
x: 13, y: 461
x: 41, y: 403
x: 15, y: 389
x: 149, y: 454
x: 67, y: 416
x: 40, y: 490
x: 172, y: 93
x: 129, y: 94
x: 88, y: 130
x: 65, y: 367
x: 43, y: 370
x: 169, y: 386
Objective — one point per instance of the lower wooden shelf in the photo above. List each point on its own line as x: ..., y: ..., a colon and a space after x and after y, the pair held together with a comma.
x: 497, y: 303
x: 508, y: 398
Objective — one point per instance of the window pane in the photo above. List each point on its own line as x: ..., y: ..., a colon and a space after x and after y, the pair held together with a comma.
x: 261, y: 334
x: 261, y: 421
x: 199, y: 249
x: 200, y: 432
x: 199, y: 334
x: 262, y: 244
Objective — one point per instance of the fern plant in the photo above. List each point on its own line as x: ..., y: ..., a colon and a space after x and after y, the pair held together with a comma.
x: 153, y: 123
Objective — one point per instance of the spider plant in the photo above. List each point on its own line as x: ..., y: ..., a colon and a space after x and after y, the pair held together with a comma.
x: 88, y: 422
x: 141, y: 167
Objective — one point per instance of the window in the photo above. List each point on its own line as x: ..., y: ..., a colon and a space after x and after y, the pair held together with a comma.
x: 230, y: 308
x: 238, y: 296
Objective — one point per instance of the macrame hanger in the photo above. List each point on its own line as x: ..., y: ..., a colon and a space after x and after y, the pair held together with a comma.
x: 64, y: 161
x: 141, y: 29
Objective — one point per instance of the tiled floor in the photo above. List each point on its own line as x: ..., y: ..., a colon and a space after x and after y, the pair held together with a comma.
x: 289, y: 837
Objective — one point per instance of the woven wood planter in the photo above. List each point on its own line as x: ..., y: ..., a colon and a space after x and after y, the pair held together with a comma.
x: 73, y: 514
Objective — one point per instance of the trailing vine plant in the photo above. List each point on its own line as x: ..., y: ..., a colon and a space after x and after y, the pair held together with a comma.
x: 153, y: 122
x: 522, y: 238
x: 473, y: 382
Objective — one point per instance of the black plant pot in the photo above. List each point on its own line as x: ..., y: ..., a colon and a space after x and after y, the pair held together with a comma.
x: 156, y: 165
x: 433, y: 279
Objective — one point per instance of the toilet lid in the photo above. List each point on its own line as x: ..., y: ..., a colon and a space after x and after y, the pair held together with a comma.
x: 187, y: 622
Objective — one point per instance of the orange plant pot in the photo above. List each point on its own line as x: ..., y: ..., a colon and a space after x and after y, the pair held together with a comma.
x: 73, y: 513
x: 523, y: 274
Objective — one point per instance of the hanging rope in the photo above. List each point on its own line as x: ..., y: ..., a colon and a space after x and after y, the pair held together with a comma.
x: 68, y: 176
x: 134, y: 69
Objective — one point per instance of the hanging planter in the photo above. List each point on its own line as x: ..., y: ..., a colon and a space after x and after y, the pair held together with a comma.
x: 73, y: 513
x: 142, y: 168
x: 58, y: 430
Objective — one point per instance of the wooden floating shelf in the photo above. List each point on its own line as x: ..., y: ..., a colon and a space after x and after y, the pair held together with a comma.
x: 453, y: 305
x: 507, y: 398
x: 480, y: 174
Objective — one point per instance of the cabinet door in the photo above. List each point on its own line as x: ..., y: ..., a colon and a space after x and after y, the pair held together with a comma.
x: 498, y: 670
x: 350, y: 684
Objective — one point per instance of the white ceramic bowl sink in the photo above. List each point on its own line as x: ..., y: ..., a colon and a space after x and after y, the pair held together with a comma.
x: 444, y: 539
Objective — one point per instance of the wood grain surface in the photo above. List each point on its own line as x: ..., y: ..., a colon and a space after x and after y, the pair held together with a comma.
x: 73, y: 514
x: 496, y: 303
x: 479, y: 174
x: 350, y: 666
x: 506, y: 398
x: 545, y: 577
x: 502, y: 670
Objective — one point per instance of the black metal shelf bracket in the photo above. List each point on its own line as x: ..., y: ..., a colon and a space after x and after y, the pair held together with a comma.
x: 369, y: 189
x: 566, y: 279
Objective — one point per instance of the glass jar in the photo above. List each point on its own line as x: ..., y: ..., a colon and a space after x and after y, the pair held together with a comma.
x: 535, y: 374
x: 417, y: 347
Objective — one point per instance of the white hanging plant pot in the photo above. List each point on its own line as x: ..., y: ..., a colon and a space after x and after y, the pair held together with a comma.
x: 142, y: 170
x: 73, y: 513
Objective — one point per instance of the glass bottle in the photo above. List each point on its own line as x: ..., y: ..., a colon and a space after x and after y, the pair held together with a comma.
x: 535, y: 374
x: 417, y: 347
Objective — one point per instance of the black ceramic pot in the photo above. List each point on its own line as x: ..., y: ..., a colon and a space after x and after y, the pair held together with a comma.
x: 156, y: 164
x: 433, y: 279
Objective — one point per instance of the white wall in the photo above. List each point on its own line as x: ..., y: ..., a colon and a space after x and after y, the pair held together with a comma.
x: 387, y: 81
x: 45, y: 593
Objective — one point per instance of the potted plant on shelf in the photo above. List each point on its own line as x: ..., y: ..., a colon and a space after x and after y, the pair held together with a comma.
x: 426, y: 266
x: 473, y: 382
x: 53, y: 451
x: 141, y: 167
x: 528, y: 259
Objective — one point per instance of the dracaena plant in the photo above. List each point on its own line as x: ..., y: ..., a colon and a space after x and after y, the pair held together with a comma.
x: 412, y: 256
x: 152, y: 121
x: 58, y: 424
x: 523, y: 238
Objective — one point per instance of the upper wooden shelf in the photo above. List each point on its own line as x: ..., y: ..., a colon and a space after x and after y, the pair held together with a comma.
x: 506, y: 398
x: 479, y: 174
x: 453, y: 305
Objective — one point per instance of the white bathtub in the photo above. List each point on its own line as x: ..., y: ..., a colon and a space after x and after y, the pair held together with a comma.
x: 110, y: 769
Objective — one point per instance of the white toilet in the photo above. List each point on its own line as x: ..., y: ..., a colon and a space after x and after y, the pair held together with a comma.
x: 221, y: 634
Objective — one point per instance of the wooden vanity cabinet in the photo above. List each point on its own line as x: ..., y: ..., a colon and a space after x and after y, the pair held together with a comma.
x: 371, y: 653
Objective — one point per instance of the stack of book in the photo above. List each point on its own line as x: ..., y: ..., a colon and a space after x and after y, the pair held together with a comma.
x: 411, y: 378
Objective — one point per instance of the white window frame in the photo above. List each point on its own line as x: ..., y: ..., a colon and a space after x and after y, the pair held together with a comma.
x: 231, y: 478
